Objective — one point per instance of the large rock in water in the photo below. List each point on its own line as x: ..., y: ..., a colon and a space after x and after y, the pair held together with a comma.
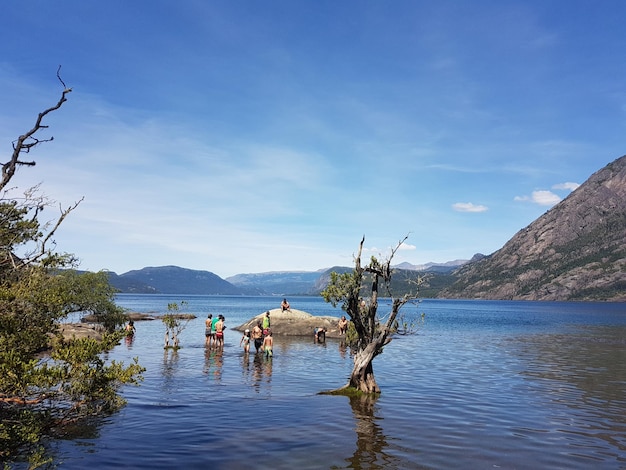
x: 81, y: 330
x: 294, y: 323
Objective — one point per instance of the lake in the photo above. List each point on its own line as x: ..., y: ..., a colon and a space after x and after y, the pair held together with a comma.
x: 483, y: 384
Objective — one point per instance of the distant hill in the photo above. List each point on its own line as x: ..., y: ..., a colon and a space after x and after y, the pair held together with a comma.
x: 433, y: 267
x: 313, y: 282
x: 277, y: 282
x: 575, y: 251
x: 130, y: 285
x: 177, y: 280
x: 403, y: 281
x: 173, y: 280
x: 324, y: 278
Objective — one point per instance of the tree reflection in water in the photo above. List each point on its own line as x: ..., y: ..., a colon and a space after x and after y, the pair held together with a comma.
x: 170, y: 359
x: 371, y: 442
x: 373, y: 448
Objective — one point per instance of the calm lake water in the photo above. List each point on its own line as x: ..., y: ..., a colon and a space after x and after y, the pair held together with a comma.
x: 484, y: 385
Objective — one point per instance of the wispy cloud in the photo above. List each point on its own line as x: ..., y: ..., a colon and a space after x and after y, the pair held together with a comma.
x: 469, y: 207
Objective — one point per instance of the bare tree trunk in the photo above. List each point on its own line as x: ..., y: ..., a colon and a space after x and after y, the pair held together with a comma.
x: 362, y: 377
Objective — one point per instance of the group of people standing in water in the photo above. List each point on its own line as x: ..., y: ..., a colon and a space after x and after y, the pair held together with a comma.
x: 214, y: 331
x: 261, y: 334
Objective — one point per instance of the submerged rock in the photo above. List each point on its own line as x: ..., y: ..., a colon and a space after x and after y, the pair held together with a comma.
x: 294, y: 323
x: 135, y: 316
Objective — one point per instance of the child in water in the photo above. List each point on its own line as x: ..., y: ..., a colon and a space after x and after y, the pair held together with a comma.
x: 245, y: 340
x: 268, y: 343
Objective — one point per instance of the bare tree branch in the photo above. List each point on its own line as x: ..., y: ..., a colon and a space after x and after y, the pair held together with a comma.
x: 43, y: 246
x: 27, y: 141
x: 32, y: 202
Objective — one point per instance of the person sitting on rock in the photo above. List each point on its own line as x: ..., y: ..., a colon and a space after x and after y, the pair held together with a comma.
x: 343, y: 325
x: 284, y: 305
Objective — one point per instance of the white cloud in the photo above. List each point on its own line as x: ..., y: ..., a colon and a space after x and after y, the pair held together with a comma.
x: 469, y: 207
x: 569, y: 186
x: 541, y: 197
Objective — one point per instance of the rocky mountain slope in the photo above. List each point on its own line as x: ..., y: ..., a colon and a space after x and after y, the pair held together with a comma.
x: 575, y: 251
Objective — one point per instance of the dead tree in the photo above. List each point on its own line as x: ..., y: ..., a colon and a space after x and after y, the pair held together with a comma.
x: 362, y: 310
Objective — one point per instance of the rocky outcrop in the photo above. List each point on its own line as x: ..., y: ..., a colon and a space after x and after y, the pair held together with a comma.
x: 81, y: 330
x: 294, y: 323
x: 90, y: 328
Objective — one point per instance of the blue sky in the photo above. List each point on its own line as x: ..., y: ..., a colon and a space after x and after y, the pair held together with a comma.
x: 247, y: 136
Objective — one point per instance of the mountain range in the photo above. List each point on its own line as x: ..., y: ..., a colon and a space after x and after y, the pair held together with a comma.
x: 177, y: 280
x: 575, y: 251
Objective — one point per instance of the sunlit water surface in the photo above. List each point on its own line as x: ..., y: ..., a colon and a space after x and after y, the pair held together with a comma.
x: 509, y: 385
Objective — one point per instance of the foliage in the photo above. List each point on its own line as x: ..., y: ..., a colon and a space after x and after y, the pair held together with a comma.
x: 367, y: 333
x: 48, y: 381
x: 408, y: 326
x: 174, y: 324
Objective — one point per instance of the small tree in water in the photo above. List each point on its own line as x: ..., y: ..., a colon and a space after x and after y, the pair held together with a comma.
x: 371, y: 335
x: 174, y: 323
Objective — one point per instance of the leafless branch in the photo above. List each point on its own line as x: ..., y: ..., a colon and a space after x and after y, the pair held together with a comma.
x: 27, y: 141
x: 64, y: 213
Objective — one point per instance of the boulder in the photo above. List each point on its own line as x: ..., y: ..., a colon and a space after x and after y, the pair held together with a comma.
x: 81, y: 330
x: 294, y: 323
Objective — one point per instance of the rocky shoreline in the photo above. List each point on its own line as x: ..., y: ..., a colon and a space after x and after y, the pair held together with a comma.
x: 90, y: 328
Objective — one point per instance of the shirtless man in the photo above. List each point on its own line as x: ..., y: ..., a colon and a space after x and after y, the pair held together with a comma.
x: 219, y: 332
x: 257, y: 336
x: 343, y: 325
